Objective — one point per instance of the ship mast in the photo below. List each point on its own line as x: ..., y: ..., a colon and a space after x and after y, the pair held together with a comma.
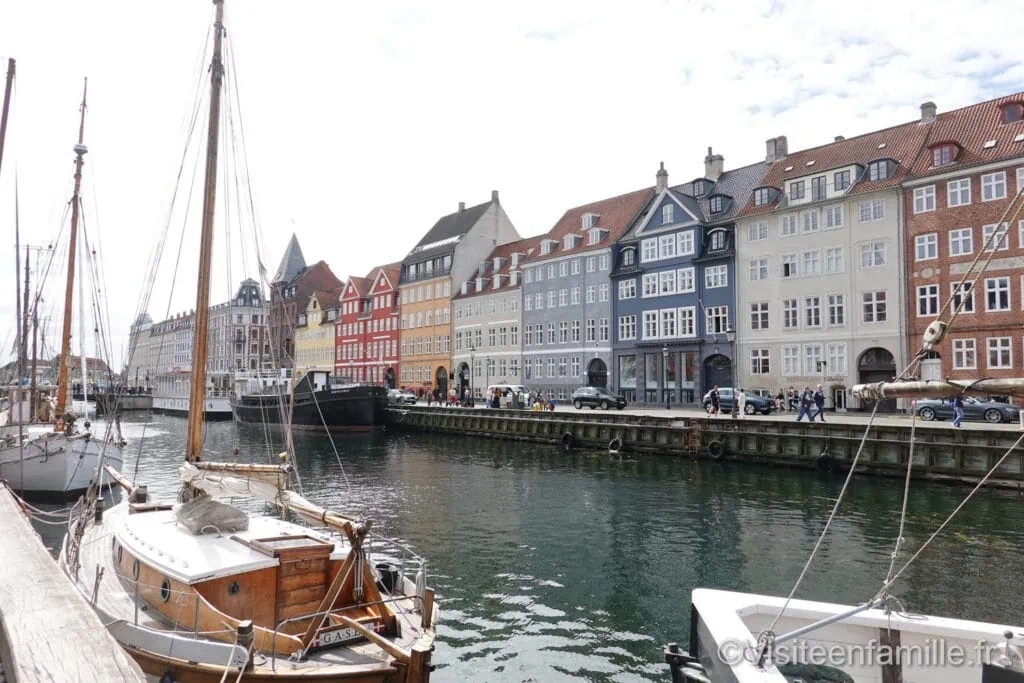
x: 197, y: 391
x: 65, y: 338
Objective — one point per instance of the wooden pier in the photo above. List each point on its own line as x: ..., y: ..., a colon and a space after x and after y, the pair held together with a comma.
x: 940, y: 453
x: 48, y: 631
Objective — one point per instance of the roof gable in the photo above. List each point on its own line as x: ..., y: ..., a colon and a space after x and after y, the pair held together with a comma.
x: 292, y: 263
x: 446, y: 233
x: 686, y: 213
x: 384, y: 278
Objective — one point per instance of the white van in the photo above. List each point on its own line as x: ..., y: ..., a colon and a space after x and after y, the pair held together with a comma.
x: 507, y: 392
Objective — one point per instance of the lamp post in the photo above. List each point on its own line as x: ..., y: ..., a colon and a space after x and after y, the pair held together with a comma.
x: 472, y: 366
x: 664, y: 375
x: 730, y: 336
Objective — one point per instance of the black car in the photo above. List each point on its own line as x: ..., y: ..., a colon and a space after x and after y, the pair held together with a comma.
x: 597, y: 398
x: 974, y: 409
x: 754, y: 402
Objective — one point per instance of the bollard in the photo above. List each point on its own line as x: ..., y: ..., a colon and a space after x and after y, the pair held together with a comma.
x: 244, y: 637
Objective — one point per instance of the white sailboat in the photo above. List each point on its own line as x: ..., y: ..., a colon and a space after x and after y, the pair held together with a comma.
x: 56, y: 459
x: 199, y: 590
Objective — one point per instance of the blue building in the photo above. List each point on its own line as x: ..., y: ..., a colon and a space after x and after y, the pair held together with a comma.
x: 674, y: 287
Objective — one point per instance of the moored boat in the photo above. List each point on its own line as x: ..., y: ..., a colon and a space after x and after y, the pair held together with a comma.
x: 320, y: 402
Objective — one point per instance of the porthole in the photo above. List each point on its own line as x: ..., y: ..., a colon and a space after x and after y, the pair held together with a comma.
x: 233, y: 588
x: 119, y: 550
x: 165, y: 590
x: 135, y: 569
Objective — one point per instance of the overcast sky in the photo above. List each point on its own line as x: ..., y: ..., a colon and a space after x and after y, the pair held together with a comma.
x: 367, y: 121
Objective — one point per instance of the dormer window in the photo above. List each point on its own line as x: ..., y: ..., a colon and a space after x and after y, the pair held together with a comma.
x: 668, y: 213
x: 569, y: 241
x: 497, y: 263
x: 1012, y: 112
x: 717, y: 203
x: 628, y: 257
x: 589, y: 220
x: 879, y: 170
x: 701, y: 188
x: 545, y: 246
x: 943, y: 154
x: 594, y: 237
x: 796, y: 189
x: 515, y: 260
x: 717, y: 241
x: 762, y: 196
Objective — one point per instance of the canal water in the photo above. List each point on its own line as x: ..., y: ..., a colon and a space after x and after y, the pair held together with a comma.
x: 553, y: 566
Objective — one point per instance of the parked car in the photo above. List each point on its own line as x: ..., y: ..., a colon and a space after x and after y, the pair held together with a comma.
x: 974, y: 409
x: 401, y: 397
x: 595, y: 397
x: 754, y: 404
x: 507, y: 393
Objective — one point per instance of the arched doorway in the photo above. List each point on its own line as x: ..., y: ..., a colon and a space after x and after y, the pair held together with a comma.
x: 597, y: 374
x: 931, y: 367
x: 877, y: 365
x: 464, y: 379
x: 717, y: 371
x: 441, y: 380
x: 389, y: 378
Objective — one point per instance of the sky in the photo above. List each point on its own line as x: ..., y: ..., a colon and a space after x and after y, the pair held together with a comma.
x: 366, y: 122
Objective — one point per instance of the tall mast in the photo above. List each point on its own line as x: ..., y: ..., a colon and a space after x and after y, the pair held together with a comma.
x: 25, y: 307
x: 65, y: 337
x: 197, y: 392
x: 7, y: 107
x: 17, y: 251
x: 81, y: 337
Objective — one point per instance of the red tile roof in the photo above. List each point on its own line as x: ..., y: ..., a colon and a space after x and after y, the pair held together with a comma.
x: 526, y: 246
x: 359, y: 284
x: 391, y: 271
x: 900, y: 143
x: 615, y: 215
x: 971, y: 127
x: 328, y: 298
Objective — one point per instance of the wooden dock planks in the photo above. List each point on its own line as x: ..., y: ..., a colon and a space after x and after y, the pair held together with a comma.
x: 48, y: 632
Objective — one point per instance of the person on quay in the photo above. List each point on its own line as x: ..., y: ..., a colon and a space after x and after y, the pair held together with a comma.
x: 551, y: 403
x: 780, y: 401
x: 958, y: 411
x: 716, y: 401
x: 806, y: 401
x: 794, y: 398
x: 739, y: 410
x: 819, y: 402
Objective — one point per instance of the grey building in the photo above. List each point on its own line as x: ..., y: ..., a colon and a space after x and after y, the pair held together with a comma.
x: 567, y: 302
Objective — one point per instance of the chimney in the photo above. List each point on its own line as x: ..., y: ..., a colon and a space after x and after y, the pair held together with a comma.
x: 465, y: 287
x: 494, y: 196
x: 928, y: 112
x: 661, y: 178
x: 462, y: 206
x: 714, y: 164
x: 839, y: 138
x: 778, y: 148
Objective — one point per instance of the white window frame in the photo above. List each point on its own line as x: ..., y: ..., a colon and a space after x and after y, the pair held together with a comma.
x: 758, y: 269
x: 687, y: 319
x: 961, y: 349
x: 789, y: 225
x: 684, y: 276
x: 651, y: 322
x: 811, y: 265
x: 928, y: 245
x: 835, y: 256
x: 713, y: 313
x: 758, y: 313
x: 990, y: 347
x: 986, y: 232
x: 716, y: 276
x: 990, y: 183
x: 929, y: 296
x: 811, y: 360
x: 627, y: 289
x: 760, y: 361
x: 997, y: 289
x: 649, y: 250
x: 795, y: 271
x: 650, y: 285
x: 686, y: 246
x: 924, y: 199
x: 807, y: 308
x: 791, y: 312
x: 835, y: 300
x: 668, y: 213
x: 875, y: 210
x: 871, y: 246
x: 955, y: 192
x: 957, y: 237
x: 667, y: 247
x: 833, y: 217
x: 627, y: 327
x: 791, y: 360
x: 969, y: 290
x: 757, y: 231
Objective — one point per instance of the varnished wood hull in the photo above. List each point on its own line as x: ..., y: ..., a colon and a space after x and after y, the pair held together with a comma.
x: 190, y: 672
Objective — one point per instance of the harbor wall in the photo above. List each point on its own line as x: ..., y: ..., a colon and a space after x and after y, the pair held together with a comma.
x: 940, y: 453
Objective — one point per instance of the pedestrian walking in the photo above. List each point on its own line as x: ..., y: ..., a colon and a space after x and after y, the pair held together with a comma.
x: 958, y: 411
x: 716, y: 401
x: 806, y: 401
x: 819, y: 403
x: 739, y: 410
x: 780, y: 401
x: 793, y: 397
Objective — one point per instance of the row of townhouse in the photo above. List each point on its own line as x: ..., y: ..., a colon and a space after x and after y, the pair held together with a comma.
x: 820, y: 266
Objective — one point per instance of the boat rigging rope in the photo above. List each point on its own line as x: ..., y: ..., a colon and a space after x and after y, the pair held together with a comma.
x: 903, y: 511
x: 323, y: 421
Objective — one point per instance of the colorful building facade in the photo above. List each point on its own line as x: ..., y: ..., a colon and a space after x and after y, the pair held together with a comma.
x: 367, y: 328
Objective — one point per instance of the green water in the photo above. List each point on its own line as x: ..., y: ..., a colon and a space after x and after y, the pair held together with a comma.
x: 565, y: 567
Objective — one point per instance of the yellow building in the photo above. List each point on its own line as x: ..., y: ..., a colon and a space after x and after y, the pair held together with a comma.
x: 450, y: 252
x: 314, y: 334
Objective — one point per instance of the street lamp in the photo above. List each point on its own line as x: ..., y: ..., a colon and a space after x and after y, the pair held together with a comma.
x: 730, y: 336
x: 664, y: 374
x: 472, y: 366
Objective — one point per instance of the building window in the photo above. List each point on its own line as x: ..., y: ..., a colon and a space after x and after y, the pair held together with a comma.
x: 788, y: 225
x: 563, y: 268
x: 965, y: 356
x: 943, y: 155
x: 716, y: 204
x: 563, y: 297
x: 575, y: 266
x: 759, y: 315
x: 790, y: 314
x: 997, y: 294
x: 836, y: 310
x: 668, y: 323
x: 926, y: 247
x: 872, y: 254
x: 874, y: 307
x: 964, y: 293
x: 668, y: 213
x: 1012, y: 111
x: 551, y: 298
x: 993, y: 186
x: 759, y: 269
x: 650, y: 325
x: 627, y: 327
x: 836, y: 361
x: 834, y: 261
x: 627, y: 289
x: 833, y: 216
x: 759, y: 361
x: 649, y: 249
x: 791, y: 360
x: 796, y: 189
x: 762, y: 196
x: 575, y: 332
x: 717, y: 240
x: 958, y: 192
x: 700, y: 188
x: 574, y: 296
x: 878, y: 170
x: 757, y: 231
x: 716, y: 319
x: 667, y: 246
x: 688, y: 321
x: 809, y: 220
x: 666, y: 282
x: 1001, y: 241
x: 716, y: 276
x: 872, y: 210
x: 602, y: 262
x: 812, y: 262
x: 819, y: 188
x: 789, y: 267
x: 924, y: 199
x: 961, y: 242
x: 1000, y: 352
x: 812, y: 311
x: 686, y: 243
x: 602, y: 292
x: 927, y: 300
x: 812, y: 359
x: 841, y: 179
x: 563, y: 332
x: 590, y: 294
x: 685, y: 280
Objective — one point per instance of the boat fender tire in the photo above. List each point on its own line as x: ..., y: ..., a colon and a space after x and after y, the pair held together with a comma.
x: 824, y: 462
x: 716, y: 450
x: 615, y: 445
x: 567, y: 441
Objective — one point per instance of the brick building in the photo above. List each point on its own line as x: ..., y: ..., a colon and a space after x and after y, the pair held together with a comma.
x: 366, y: 331
x: 966, y: 175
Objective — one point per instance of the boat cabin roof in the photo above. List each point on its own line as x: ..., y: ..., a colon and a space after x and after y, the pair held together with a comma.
x: 167, y: 546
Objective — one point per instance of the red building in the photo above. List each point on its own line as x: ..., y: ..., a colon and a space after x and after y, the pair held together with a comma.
x: 966, y: 176
x: 366, y: 332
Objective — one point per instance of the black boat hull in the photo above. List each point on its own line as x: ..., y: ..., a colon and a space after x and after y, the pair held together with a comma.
x: 348, y: 408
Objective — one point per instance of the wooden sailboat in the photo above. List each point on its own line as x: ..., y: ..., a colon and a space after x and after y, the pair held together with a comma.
x: 58, y: 459
x: 202, y: 591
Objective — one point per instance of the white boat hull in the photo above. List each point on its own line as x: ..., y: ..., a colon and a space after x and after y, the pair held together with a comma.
x: 215, y: 408
x: 55, y: 464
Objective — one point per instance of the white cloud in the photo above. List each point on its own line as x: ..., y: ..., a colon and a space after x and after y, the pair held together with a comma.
x: 365, y: 122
